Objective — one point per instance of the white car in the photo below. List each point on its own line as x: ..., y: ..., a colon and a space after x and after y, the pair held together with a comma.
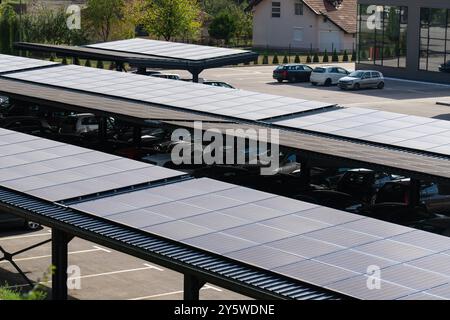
x: 82, y: 123
x: 327, y: 75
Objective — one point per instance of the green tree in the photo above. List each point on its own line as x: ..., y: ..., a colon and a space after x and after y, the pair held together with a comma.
x: 223, y: 27
x: 345, y: 57
x: 297, y: 59
x: 335, y: 57
x: 275, y: 59
x: 100, y: 64
x: 325, y: 56
x: 316, y: 57
x: 104, y: 15
x: 9, y: 30
x: 168, y: 19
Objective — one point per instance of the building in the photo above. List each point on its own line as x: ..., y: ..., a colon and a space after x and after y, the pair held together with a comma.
x: 404, y: 38
x: 307, y: 24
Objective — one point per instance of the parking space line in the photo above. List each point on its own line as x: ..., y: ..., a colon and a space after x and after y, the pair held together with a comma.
x: 27, y: 236
x: 153, y: 267
x: 206, y: 287
x: 49, y: 255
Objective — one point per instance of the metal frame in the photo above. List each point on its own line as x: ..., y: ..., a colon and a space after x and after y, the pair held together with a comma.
x: 7, y: 256
x: 198, y: 265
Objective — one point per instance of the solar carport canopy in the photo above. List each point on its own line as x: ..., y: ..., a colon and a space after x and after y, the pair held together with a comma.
x: 13, y: 63
x: 309, y: 247
x: 168, y: 49
x: 180, y: 95
x: 54, y: 171
x: 381, y: 127
x: 307, y: 242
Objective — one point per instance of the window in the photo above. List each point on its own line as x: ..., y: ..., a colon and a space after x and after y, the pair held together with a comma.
x: 375, y: 75
x: 434, y: 39
x: 382, y: 35
x: 276, y: 9
x: 298, y: 8
x: 298, y: 34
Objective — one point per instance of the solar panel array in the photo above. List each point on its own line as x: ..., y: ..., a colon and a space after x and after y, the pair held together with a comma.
x: 167, y: 49
x: 395, y: 129
x: 314, y: 244
x: 180, y: 94
x: 13, y: 63
x: 55, y: 171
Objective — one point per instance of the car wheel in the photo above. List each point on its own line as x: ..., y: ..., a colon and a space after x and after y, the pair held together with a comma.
x: 30, y: 225
x: 380, y: 85
x: 327, y: 82
x: 280, y: 80
x: 357, y: 86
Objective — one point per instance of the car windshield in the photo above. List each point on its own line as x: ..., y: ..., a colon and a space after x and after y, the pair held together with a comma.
x: 357, y: 74
x: 319, y: 70
x: 280, y: 68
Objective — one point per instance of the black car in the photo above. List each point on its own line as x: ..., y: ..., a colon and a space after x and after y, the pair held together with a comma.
x: 445, y: 67
x: 292, y: 73
x: 8, y: 220
x: 27, y: 124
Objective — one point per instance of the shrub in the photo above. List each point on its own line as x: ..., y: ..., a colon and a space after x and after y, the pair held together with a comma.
x: 335, y: 57
x: 325, y: 56
x: 316, y: 58
x: 308, y: 59
x: 76, y: 61
x: 345, y: 57
x: 354, y: 55
x: 285, y: 59
x: 275, y: 59
x: 265, y: 59
x: 100, y: 64
x: 88, y: 63
x: 297, y: 59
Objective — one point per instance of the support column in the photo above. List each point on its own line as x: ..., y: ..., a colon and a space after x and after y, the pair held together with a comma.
x: 102, y: 128
x: 414, y: 193
x: 137, y: 135
x: 305, y: 173
x: 60, y: 240
x: 192, y: 286
x: 195, y: 74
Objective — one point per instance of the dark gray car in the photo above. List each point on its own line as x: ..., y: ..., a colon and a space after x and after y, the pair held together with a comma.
x: 8, y: 220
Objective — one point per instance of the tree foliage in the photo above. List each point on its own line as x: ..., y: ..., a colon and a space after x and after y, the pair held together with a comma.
x: 223, y: 26
x: 104, y: 16
x: 168, y: 19
x: 9, y: 31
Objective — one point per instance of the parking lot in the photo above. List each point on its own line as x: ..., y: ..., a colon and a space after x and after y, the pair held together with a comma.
x: 108, y: 274
x: 400, y: 96
x: 105, y: 274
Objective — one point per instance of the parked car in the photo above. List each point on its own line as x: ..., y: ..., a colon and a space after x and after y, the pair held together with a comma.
x: 218, y: 84
x: 147, y: 72
x: 82, y: 123
x: 10, y: 221
x: 27, y: 124
x: 363, y: 184
x: 171, y: 76
x: 327, y: 75
x: 292, y: 72
x: 362, y: 79
x: 434, y: 196
x: 445, y: 67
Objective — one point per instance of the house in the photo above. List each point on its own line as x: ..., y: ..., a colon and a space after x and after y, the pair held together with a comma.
x: 307, y: 24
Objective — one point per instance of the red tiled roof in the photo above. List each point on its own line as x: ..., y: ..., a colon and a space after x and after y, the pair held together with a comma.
x: 344, y: 17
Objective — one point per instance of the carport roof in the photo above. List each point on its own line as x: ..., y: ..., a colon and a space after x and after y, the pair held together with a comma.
x: 174, y: 56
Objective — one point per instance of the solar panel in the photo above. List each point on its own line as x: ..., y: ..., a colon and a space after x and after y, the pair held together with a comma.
x: 314, y: 244
x: 55, y: 171
x: 167, y: 49
x: 10, y: 63
x: 398, y: 130
x: 179, y: 94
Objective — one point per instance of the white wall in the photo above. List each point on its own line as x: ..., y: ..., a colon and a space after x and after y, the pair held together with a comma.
x: 279, y: 32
